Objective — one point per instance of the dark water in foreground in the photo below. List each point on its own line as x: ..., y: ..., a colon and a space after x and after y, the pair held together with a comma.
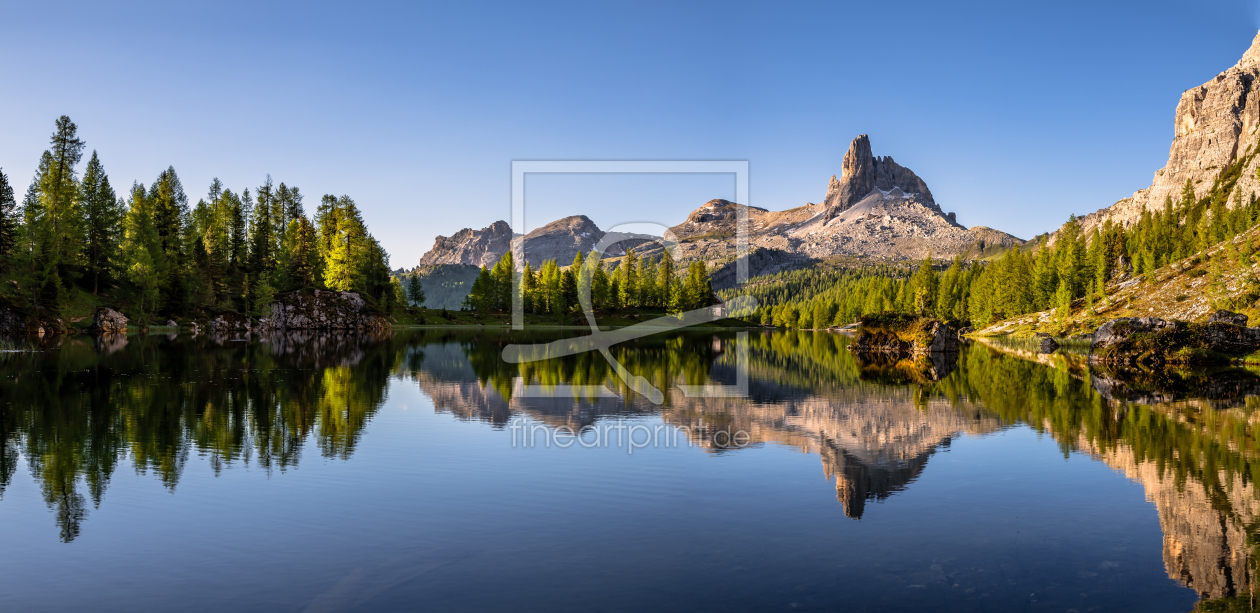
x: 332, y: 473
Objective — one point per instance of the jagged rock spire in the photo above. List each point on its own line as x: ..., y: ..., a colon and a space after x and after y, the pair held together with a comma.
x: 861, y: 173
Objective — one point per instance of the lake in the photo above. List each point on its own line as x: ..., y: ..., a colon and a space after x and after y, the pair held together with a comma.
x: 419, y: 470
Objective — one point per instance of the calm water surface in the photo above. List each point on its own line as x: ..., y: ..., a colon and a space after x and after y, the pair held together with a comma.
x: 413, y: 471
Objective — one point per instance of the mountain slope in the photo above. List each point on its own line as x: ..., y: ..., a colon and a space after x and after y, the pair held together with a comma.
x: 1190, y: 290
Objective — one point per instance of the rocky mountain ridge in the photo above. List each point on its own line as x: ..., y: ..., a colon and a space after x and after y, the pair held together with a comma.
x: 876, y: 208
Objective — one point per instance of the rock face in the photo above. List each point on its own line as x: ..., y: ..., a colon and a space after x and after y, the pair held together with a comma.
x: 476, y: 247
x: 862, y: 173
x: 108, y: 321
x: 1151, y: 340
x: 559, y: 240
x: 898, y: 333
x: 322, y: 310
x: 1214, y: 126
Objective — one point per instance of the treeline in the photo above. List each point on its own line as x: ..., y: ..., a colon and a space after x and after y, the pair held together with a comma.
x: 651, y: 283
x: 1025, y: 279
x: 230, y: 252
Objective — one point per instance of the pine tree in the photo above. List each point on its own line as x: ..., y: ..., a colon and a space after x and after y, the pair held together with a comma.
x: 142, y: 252
x: 924, y: 284
x: 628, y: 274
x: 415, y: 290
x: 568, y: 292
x: 529, y: 289
x: 665, y: 273
x: 103, y: 216
x: 303, y: 253
x: 59, y: 195
x: 262, y: 243
x: 240, y: 230
x: 169, y: 205
x: 9, y: 222
x: 599, y: 287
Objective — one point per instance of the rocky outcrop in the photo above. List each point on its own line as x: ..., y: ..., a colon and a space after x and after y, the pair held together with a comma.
x: 1228, y: 317
x: 1151, y: 340
x: 108, y: 321
x: 862, y: 173
x: 481, y: 247
x: 1214, y: 126
x: 899, y: 333
x: 322, y: 310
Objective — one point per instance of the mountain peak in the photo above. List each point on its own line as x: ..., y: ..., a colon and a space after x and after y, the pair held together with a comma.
x: 862, y: 173
x: 1252, y: 55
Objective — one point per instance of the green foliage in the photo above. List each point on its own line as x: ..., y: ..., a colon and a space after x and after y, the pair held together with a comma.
x: 415, y: 290
x: 155, y: 256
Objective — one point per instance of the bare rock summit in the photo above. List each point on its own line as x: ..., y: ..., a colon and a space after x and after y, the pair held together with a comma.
x: 862, y: 173
x: 468, y: 246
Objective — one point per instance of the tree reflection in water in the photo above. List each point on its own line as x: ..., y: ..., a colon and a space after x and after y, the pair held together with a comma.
x: 79, y: 407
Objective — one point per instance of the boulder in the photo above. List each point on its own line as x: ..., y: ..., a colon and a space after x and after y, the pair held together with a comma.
x: 170, y: 323
x: 1048, y: 345
x: 108, y: 321
x: 1228, y: 317
x: 1151, y: 340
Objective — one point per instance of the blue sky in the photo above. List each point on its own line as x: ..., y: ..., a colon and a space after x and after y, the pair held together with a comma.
x: 1016, y: 114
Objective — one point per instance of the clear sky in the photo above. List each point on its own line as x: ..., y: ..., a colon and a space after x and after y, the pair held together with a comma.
x: 1016, y: 114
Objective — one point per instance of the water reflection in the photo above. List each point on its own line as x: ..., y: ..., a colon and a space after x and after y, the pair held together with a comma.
x: 77, y: 409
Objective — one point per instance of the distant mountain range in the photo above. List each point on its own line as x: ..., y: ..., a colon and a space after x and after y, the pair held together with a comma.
x: 876, y: 208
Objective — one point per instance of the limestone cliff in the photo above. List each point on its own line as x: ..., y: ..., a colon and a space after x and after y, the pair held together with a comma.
x: 476, y: 247
x: 559, y: 240
x: 1214, y: 126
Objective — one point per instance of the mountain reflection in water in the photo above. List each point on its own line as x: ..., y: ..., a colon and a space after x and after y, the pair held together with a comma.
x: 78, y: 408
